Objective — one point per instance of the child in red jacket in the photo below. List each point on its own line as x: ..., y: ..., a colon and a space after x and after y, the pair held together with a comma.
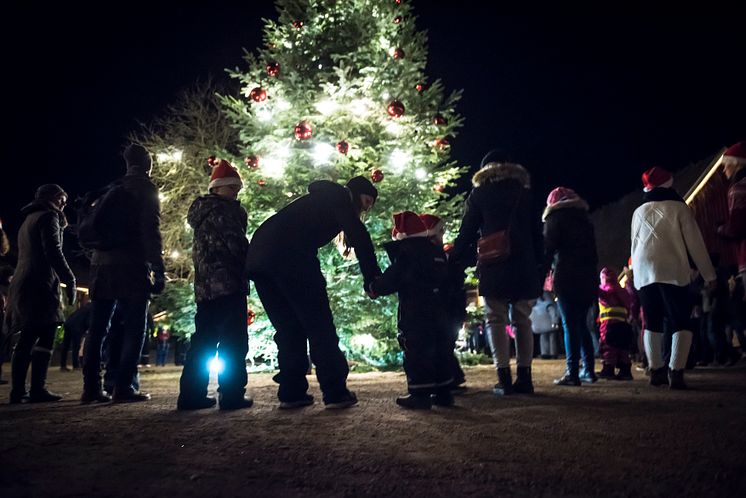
x: 616, y: 333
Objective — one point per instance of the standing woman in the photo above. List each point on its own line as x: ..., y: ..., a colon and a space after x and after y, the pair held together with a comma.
x: 570, y: 246
x: 34, y: 295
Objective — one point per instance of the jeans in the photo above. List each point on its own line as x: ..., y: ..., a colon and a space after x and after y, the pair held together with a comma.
x: 161, y: 353
x: 577, y: 336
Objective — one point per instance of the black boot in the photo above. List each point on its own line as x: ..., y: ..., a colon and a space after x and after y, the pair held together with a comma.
x: 607, y: 371
x: 415, y: 401
x: 676, y: 380
x: 659, y: 376
x: 442, y: 397
x: 625, y: 372
x: 504, y: 384
x: 94, y: 393
x: 39, y: 366
x: 19, y: 368
x: 523, y: 383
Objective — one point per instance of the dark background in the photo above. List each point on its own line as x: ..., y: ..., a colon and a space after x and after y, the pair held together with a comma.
x: 585, y: 102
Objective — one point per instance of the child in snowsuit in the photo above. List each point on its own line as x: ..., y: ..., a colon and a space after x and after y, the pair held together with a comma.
x: 616, y: 333
x: 418, y: 273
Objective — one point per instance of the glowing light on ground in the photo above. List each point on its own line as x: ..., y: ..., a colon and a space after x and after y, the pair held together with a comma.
x: 216, y: 365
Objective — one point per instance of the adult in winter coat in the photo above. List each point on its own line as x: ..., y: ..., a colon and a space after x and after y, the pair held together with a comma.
x: 570, y: 248
x: 220, y: 288
x: 501, y: 200
x: 419, y: 274
x: 34, y: 294
x: 284, y: 266
x: 665, y: 236
x: 734, y: 167
x: 125, y: 277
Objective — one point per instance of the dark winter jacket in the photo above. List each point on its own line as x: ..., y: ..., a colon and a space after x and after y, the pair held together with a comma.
x: 419, y: 273
x: 124, y: 272
x: 570, y: 247
x: 34, y: 294
x: 79, y: 321
x: 219, y: 248
x: 293, y: 236
x: 498, y: 190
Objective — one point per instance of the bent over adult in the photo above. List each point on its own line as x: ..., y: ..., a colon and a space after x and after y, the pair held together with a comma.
x: 501, y: 200
x: 34, y: 294
x: 284, y: 266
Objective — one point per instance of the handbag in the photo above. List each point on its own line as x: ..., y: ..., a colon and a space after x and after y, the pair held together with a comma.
x: 495, y: 247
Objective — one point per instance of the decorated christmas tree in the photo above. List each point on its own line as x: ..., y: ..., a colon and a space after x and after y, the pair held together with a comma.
x: 338, y: 90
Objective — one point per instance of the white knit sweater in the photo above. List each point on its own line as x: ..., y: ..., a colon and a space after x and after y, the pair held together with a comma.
x: 663, y: 234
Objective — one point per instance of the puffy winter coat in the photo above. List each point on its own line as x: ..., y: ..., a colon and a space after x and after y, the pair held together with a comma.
x: 500, y: 190
x: 664, y: 236
x: 34, y: 294
x: 124, y: 272
x: 219, y: 248
x: 294, y: 234
x: 570, y: 246
x: 419, y: 273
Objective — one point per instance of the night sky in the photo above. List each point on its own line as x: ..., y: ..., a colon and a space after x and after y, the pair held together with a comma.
x: 583, y: 102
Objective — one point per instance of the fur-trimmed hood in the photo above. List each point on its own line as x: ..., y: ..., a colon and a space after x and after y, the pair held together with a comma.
x: 576, y: 203
x: 497, y: 172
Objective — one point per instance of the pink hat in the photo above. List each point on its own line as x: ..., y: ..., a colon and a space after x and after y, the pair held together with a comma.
x: 408, y: 224
x: 735, y: 153
x: 656, y: 177
x: 224, y: 174
x: 433, y: 224
x: 561, y: 194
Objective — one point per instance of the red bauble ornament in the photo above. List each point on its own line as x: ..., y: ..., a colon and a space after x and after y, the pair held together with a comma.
x: 395, y: 109
x: 343, y: 147
x: 439, y: 120
x: 297, y: 24
x: 376, y: 175
x: 398, y: 2
x: 250, y: 317
x: 438, y: 187
x: 273, y: 68
x: 303, y: 130
x: 258, y: 94
x: 397, y: 19
x: 399, y: 53
x: 421, y: 87
x: 212, y: 161
x: 252, y: 161
x: 442, y: 143
x: 261, y: 183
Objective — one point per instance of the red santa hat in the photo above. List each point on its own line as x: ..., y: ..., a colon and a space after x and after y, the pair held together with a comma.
x: 735, y: 154
x: 433, y: 224
x: 224, y: 174
x: 408, y: 224
x: 656, y: 177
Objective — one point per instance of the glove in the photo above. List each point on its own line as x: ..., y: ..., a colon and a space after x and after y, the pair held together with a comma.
x: 71, y: 292
x: 159, y: 282
x: 368, y: 287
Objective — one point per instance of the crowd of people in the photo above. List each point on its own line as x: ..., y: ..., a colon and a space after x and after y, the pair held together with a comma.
x: 673, y: 295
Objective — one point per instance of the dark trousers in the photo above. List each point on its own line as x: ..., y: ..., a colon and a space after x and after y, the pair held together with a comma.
x: 134, y: 317
x: 220, y: 325
x: 161, y: 353
x: 70, y: 342
x: 577, y: 336
x: 665, y: 305
x: 34, y: 347
x: 427, y: 359
x: 297, y: 304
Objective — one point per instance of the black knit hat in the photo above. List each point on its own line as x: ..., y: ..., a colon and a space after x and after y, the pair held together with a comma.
x: 136, y: 156
x: 495, y: 156
x: 361, y: 185
x: 49, y: 192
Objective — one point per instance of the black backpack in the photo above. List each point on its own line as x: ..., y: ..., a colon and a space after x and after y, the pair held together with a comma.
x: 103, y: 219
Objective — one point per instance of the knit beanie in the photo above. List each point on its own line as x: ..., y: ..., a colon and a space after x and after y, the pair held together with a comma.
x: 137, y: 158
x: 361, y: 185
x: 656, y: 177
x: 224, y: 174
x: 561, y: 194
x: 49, y: 192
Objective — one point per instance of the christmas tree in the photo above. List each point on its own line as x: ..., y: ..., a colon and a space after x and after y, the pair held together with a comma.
x: 338, y: 90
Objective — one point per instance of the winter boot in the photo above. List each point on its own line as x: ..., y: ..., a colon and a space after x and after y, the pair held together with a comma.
x: 523, y: 383
x: 625, y: 372
x: 305, y: 400
x: 607, y: 371
x: 504, y: 384
x: 20, y: 363
x: 442, y: 397
x: 234, y: 402
x: 676, y: 380
x: 659, y: 376
x: 415, y: 401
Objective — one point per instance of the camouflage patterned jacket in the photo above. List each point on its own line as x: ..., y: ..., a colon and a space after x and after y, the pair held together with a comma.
x: 219, y: 248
